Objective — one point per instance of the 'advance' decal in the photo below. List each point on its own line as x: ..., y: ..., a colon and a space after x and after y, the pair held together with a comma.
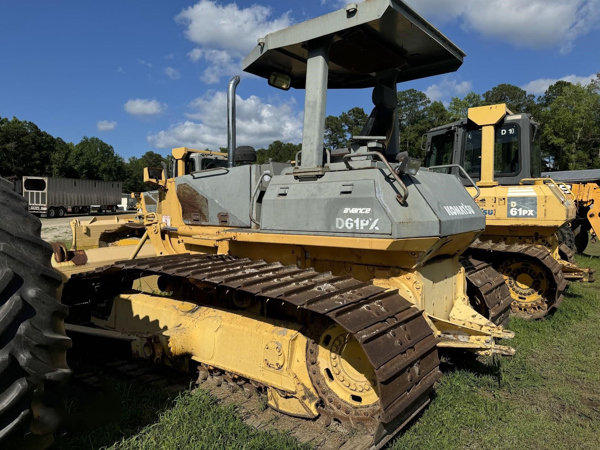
x: 359, y: 223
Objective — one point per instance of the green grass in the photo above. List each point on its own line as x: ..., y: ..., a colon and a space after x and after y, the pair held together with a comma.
x: 546, y: 396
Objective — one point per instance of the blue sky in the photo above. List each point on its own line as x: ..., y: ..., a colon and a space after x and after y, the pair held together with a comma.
x: 151, y: 74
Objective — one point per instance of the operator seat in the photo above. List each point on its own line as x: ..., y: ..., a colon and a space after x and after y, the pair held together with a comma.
x: 381, y: 121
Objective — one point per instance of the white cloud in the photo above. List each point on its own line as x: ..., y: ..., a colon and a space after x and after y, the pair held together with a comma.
x: 145, y: 63
x: 195, y: 54
x: 105, y: 125
x: 144, y: 107
x: 120, y: 70
x: 539, y: 86
x: 170, y: 56
x: 532, y: 23
x: 173, y: 74
x: 448, y: 88
x: 338, y: 4
x: 226, y: 33
x: 258, y: 123
x: 221, y: 63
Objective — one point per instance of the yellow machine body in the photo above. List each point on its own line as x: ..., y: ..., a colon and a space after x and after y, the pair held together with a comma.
x: 522, y: 214
x: 86, y: 233
x: 587, y: 195
x: 426, y: 271
x: 506, y: 220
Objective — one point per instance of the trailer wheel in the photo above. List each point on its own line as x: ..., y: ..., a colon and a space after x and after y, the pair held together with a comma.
x: 51, y: 213
x: 61, y: 212
x: 33, y: 342
x: 75, y: 209
x: 113, y: 208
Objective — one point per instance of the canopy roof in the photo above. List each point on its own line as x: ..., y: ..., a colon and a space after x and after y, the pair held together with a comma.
x: 369, y: 40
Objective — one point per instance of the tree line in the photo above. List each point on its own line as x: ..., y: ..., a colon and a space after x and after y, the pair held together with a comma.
x: 569, y: 115
x: 25, y: 150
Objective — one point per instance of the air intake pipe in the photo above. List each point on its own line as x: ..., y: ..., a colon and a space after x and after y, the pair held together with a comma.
x: 231, y: 119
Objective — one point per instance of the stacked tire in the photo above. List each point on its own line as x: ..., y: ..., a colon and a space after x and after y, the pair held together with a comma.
x: 33, y: 342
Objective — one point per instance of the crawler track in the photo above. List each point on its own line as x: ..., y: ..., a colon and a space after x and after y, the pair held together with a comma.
x: 394, y: 335
x: 487, y: 290
x: 528, y: 255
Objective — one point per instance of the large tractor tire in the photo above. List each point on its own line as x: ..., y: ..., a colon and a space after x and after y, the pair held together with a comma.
x: 33, y: 342
x: 566, y: 236
x: 581, y: 238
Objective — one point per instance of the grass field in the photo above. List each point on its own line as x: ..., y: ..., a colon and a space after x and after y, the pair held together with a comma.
x: 546, y: 396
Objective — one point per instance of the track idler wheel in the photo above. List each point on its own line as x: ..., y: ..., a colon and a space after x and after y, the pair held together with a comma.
x: 530, y: 287
x: 343, y: 377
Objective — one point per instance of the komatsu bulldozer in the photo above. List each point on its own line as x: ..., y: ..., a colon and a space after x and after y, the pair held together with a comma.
x: 329, y: 285
x: 496, y: 155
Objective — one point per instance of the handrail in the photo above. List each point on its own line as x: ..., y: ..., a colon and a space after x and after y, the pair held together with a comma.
x: 299, y: 154
x: 463, y: 172
x: 401, y: 198
x: 546, y: 181
x: 252, y: 199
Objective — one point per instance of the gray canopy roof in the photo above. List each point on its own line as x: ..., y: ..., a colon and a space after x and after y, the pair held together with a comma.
x: 376, y: 37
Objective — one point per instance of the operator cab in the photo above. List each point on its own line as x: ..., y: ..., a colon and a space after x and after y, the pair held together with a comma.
x: 517, y: 152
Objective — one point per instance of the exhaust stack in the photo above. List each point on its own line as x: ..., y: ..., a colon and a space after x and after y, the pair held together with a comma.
x: 231, y: 119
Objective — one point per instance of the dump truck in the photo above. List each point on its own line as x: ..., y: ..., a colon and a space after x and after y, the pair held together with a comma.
x: 55, y: 197
x: 584, y: 185
x: 329, y: 286
x: 496, y: 155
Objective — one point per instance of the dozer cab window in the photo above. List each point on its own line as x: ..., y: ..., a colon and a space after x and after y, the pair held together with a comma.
x: 196, y: 163
x: 440, y: 152
x: 536, y: 152
x: 211, y: 163
x: 472, y: 164
x: 506, y: 151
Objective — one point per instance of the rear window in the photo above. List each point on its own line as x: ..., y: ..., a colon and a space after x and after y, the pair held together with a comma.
x: 34, y: 184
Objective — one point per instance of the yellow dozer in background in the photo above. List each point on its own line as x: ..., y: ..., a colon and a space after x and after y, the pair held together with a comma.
x: 329, y: 285
x: 496, y: 155
x: 584, y: 185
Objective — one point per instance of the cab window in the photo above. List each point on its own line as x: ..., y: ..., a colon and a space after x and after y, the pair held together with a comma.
x: 440, y: 152
x: 472, y: 163
x: 536, y: 152
x: 211, y: 163
x: 190, y: 166
x: 506, y: 151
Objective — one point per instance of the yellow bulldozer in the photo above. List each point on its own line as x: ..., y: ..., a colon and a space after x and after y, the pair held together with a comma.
x: 496, y: 155
x: 329, y: 285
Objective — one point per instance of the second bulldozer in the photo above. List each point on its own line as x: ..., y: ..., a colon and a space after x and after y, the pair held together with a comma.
x: 329, y: 286
x: 496, y: 155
